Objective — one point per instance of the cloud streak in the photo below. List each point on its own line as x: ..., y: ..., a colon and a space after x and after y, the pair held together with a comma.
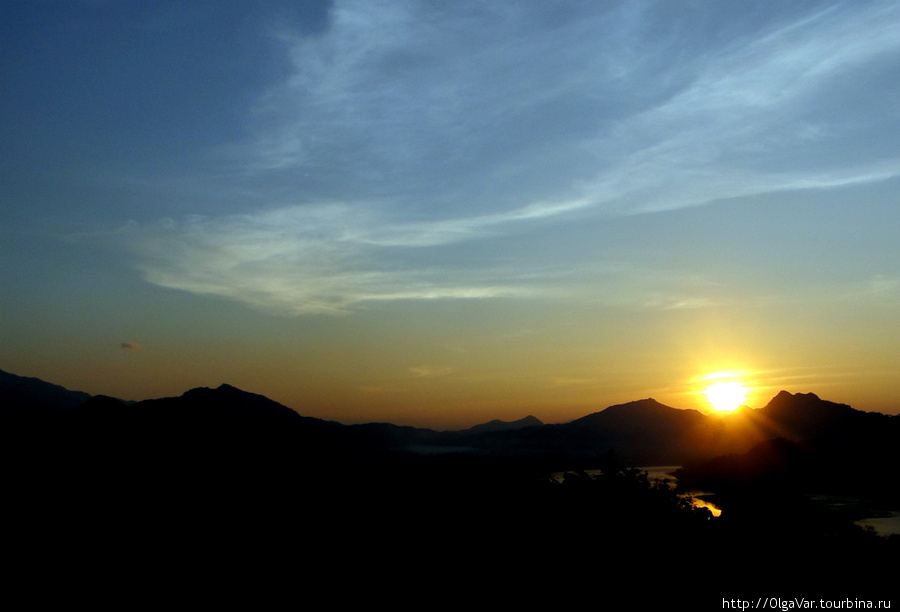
x: 307, y: 259
x: 480, y: 108
x: 435, y: 127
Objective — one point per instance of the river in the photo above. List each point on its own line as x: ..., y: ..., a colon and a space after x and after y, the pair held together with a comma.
x: 885, y: 523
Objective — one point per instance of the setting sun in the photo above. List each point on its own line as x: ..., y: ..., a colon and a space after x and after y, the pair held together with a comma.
x: 726, y: 396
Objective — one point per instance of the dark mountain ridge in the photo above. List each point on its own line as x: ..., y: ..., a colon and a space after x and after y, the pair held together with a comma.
x: 498, y: 425
x: 642, y: 432
x: 804, y: 444
x: 231, y: 483
x: 36, y: 394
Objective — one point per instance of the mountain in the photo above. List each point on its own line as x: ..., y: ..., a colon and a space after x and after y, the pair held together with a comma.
x: 642, y: 432
x: 805, y: 415
x: 498, y: 425
x: 806, y: 444
x: 219, y: 483
x: 36, y: 394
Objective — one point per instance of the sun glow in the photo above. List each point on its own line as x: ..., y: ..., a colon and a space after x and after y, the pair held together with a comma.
x: 726, y: 396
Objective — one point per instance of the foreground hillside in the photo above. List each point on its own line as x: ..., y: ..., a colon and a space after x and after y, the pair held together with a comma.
x: 224, y: 492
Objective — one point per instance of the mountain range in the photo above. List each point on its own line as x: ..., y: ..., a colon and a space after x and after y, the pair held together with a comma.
x: 226, y: 420
x: 220, y: 487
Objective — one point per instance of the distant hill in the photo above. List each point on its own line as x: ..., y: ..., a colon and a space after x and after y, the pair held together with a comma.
x: 807, y: 444
x: 498, y: 425
x: 643, y: 432
x: 223, y: 481
x: 37, y: 394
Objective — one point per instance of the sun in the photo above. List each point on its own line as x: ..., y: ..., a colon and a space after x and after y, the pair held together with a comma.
x: 726, y: 396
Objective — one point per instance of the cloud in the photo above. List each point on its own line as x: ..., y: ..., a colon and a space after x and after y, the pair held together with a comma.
x: 620, y: 107
x: 754, y: 118
x: 426, y: 371
x: 310, y: 259
x: 413, y: 136
x: 880, y: 286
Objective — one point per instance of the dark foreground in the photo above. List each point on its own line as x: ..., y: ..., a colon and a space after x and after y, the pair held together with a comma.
x: 114, y: 508
x: 418, y: 532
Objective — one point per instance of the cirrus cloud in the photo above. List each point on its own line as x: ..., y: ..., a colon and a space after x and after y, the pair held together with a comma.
x: 471, y: 124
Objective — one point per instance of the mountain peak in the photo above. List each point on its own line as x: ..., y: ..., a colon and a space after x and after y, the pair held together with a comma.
x: 498, y: 425
x: 786, y: 395
x: 222, y: 391
x: 225, y: 387
x: 806, y: 415
x: 805, y: 402
x: 634, y: 411
x: 646, y: 404
x: 230, y: 402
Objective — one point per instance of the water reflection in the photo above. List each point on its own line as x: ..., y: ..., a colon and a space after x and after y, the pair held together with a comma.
x: 883, y: 522
x: 699, y: 502
x: 661, y: 473
x: 886, y: 525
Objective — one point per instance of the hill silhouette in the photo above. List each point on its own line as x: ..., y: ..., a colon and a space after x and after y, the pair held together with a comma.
x: 498, y: 425
x: 222, y: 484
x: 811, y: 445
x: 36, y: 394
x: 643, y: 432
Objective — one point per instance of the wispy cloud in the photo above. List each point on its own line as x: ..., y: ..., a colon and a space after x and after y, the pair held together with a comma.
x: 427, y: 371
x: 879, y: 286
x: 308, y: 259
x: 442, y: 126
x: 607, y: 107
x: 757, y: 116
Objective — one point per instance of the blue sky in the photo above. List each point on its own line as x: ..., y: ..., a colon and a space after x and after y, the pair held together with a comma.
x: 436, y: 212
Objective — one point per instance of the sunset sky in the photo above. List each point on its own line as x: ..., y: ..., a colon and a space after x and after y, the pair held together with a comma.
x: 441, y: 213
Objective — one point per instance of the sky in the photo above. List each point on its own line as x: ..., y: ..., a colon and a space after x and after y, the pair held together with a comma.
x: 441, y: 213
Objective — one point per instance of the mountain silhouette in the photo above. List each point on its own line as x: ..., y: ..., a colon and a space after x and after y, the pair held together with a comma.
x: 36, y: 394
x: 643, y: 432
x: 221, y: 486
x: 498, y: 425
x: 808, y: 444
